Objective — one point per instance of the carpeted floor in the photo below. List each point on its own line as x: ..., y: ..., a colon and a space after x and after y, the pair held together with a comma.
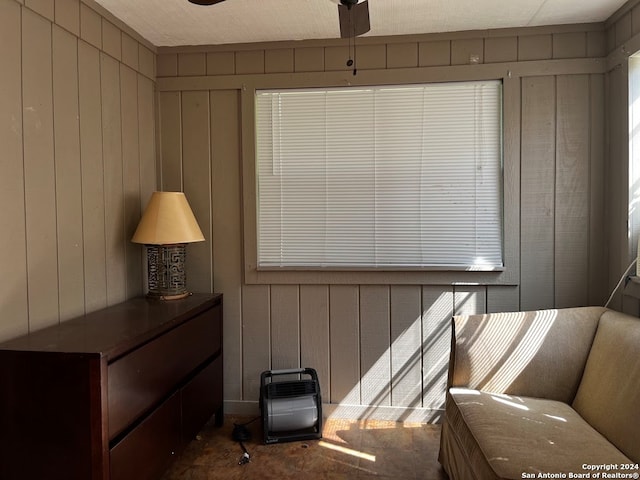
x: 349, y: 449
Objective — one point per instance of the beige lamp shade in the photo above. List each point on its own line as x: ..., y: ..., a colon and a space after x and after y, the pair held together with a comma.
x: 167, y: 220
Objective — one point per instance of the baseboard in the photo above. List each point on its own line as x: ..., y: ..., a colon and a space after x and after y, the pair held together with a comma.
x: 241, y: 407
x: 380, y: 412
x: 351, y: 412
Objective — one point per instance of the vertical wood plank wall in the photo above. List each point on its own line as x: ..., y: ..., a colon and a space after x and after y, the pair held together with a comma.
x: 385, y: 346
x: 77, y: 133
x: 77, y: 160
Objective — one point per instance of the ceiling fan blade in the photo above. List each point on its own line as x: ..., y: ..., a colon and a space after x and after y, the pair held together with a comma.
x: 359, y: 22
x: 206, y: 2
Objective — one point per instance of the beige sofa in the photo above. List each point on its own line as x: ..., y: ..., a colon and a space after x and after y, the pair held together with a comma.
x: 546, y: 394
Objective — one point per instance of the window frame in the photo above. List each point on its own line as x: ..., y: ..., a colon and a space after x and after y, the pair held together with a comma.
x: 429, y: 275
x: 438, y: 249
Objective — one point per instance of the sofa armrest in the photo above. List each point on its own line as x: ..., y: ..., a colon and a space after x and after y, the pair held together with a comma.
x: 538, y: 354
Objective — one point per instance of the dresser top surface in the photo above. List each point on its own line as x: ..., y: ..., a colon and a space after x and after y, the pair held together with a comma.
x: 116, y: 329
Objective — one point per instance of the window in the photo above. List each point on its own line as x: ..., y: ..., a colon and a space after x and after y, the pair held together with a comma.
x: 380, y: 177
x: 634, y: 147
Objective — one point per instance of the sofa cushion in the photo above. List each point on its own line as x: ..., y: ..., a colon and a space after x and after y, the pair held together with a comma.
x: 609, y: 394
x: 534, y: 354
x: 511, y: 437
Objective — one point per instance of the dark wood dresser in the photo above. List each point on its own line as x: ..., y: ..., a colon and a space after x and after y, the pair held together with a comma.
x: 113, y: 394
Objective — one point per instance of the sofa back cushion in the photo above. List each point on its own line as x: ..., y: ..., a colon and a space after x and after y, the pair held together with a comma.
x: 535, y: 354
x: 609, y: 393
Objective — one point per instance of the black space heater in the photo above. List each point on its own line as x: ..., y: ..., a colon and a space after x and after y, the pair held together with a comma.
x: 291, y: 409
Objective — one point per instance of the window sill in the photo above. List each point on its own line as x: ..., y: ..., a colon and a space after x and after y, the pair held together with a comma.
x: 406, y: 276
x: 394, y: 268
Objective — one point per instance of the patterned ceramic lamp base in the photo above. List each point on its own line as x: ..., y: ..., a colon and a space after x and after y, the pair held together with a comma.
x: 167, y: 278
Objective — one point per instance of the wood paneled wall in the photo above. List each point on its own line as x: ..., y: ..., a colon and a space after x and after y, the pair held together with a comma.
x: 377, y: 345
x: 78, y: 164
x: 77, y: 134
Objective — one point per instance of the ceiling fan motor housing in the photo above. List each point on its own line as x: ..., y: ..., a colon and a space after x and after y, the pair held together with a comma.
x: 205, y: 2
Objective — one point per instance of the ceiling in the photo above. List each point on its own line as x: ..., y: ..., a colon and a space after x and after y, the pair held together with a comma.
x: 178, y: 22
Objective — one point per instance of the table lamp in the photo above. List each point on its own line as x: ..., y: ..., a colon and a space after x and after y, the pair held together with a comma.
x: 165, y: 228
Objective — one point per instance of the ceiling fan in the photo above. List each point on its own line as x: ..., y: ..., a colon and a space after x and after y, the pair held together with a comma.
x: 206, y: 2
x: 353, y: 15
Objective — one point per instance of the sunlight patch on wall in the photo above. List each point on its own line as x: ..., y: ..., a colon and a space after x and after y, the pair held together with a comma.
x: 374, y: 385
x: 436, y: 321
x: 423, y: 346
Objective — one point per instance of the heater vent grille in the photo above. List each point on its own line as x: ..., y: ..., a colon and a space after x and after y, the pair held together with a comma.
x: 295, y: 388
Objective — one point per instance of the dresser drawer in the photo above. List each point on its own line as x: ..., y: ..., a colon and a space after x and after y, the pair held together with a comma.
x: 201, y: 397
x: 145, y: 452
x: 142, y: 378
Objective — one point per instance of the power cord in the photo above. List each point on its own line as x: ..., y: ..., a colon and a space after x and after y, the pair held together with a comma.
x: 624, y: 275
x: 242, y: 434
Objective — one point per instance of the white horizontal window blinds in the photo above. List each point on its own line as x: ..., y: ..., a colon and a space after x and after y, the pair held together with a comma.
x: 387, y: 177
